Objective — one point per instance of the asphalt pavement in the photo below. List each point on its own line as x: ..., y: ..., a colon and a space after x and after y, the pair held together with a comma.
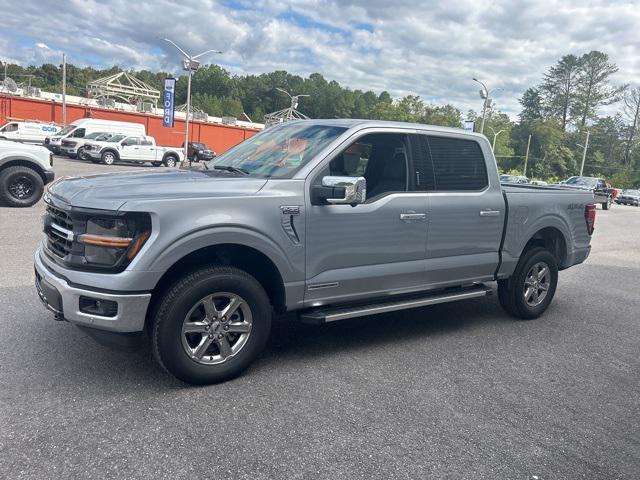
x: 458, y: 391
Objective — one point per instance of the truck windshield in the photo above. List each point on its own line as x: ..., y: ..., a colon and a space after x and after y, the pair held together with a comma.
x: 278, y: 151
x: 66, y: 130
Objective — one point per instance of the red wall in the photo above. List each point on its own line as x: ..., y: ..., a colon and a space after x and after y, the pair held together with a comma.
x: 216, y: 136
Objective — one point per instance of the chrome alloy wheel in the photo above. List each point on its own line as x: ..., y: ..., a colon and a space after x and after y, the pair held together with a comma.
x: 536, y: 284
x: 216, y: 328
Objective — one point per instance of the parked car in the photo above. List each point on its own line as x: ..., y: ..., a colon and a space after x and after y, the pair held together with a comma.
x: 133, y: 149
x: 629, y: 197
x: 197, y: 152
x: 331, y: 219
x: 74, y: 148
x: 24, y: 171
x: 84, y: 126
x: 598, y: 186
x: 513, y: 179
x: 541, y: 183
x: 27, y: 132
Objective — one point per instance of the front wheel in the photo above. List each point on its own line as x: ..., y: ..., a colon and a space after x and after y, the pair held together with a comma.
x: 108, y: 158
x: 210, y: 325
x: 20, y: 186
x: 170, y: 161
x: 529, y: 291
x: 607, y: 205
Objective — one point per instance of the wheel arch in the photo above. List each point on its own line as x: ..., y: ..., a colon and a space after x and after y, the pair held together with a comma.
x: 249, y: 259
x: 552, y: 239
x: 111, y: 150
x: 22, y: 162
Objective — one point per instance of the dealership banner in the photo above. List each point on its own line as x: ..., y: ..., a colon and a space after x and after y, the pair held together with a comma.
x: 168, y: 101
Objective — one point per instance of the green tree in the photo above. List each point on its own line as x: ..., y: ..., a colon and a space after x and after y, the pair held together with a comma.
x: 559, y: 87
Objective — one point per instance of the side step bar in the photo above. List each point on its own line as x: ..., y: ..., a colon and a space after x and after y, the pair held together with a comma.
x: 320, y: 316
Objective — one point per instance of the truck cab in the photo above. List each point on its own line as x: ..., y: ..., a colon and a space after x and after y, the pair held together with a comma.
x: 133, y: 149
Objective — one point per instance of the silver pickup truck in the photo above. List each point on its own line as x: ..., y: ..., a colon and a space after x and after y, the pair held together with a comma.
x: 332, y: 219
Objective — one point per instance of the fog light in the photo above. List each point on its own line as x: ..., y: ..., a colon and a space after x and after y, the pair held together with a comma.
x: 98, y: 306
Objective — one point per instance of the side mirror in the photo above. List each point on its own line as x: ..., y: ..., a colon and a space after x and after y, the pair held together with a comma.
x: 340, y: 191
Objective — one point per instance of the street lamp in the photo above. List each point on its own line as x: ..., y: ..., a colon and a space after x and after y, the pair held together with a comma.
x: 190, y: 64
x: 495, y: 134
x: 485, y: 94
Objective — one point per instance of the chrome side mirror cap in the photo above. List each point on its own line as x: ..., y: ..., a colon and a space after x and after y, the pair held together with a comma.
x: 340, y: 191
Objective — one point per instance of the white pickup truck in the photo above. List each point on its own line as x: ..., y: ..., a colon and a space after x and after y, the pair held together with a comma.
x: 134, y: 149
x: 24, y: 171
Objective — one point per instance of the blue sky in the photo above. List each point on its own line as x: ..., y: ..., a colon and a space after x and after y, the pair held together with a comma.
x: 431, y: 49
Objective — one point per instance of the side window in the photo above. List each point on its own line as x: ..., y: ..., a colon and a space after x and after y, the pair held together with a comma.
x: 380, y: 158
x: 12, y: 127
x: 146, y: 141
x: 78, y: 133
x: 457, y: 164
x: 129, y: 141
x: 601, y: 184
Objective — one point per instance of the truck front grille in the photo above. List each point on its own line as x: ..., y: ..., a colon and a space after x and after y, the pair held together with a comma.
x: 57, y: 241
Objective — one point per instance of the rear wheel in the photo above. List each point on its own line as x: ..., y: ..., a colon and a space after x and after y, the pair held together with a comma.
x: 210, y: 325
x: 529, y: 291
x: 170, y: 161
x: 20, y: 186
x: 607, y: 205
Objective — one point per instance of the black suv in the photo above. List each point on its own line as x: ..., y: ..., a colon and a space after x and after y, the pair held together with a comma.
x: 199, y: 151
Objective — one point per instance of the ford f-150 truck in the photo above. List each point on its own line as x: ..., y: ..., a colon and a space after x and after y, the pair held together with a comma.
x: 135, y: 149
x: 331, y: 219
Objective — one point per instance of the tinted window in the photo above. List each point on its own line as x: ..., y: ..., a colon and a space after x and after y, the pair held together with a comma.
x: 457, y: 164
x: 423, y: 175
x: 146, y: 141
x: 79, y: 133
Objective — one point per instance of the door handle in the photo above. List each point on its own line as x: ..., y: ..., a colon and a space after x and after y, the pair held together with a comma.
x: 411, y: 216
x: 489, y: 213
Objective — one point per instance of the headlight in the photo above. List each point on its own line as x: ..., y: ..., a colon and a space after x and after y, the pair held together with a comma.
x: 114, y: 242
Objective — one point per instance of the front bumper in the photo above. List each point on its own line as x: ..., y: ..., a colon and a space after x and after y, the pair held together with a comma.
x: 93, y: 154
x: 63, y: 298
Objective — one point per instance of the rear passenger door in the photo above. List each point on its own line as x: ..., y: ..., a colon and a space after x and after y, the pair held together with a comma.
x: 147, y: 149
x: 466, y: 211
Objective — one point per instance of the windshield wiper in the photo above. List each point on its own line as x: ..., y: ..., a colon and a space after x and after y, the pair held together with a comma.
x: 229, y: 168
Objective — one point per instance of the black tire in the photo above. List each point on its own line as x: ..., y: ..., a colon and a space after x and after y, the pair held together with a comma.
x: 20, y: 186
x: 607, y: 205
x: 109, y: 158
x: 170, y: 161
x: 81, y: 154
x: 181, y: 298
x: 511, y: 292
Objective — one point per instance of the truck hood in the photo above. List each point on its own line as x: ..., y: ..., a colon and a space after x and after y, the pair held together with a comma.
x: 112, y: 190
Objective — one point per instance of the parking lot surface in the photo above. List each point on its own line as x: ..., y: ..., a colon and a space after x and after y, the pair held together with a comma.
x: 451, y: 391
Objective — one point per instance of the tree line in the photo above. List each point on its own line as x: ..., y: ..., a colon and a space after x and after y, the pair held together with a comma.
x: 556, y: 113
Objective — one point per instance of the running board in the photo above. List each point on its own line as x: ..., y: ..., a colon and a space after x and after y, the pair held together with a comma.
x: 320, y: 316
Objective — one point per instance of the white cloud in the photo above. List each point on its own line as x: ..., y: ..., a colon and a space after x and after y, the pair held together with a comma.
x: 427, y: 48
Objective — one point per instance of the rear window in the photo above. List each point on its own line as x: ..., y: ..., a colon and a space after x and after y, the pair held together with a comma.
x: 457, y: 164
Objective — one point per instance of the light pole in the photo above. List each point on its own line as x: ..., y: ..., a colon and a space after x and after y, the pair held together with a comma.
x: 495, y: 134
x: 191, y: 64
x: 64, y: 89
x: 485, y: 94
x: 584, y: 151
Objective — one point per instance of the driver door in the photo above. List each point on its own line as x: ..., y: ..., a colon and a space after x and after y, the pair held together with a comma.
x: 131, y: 149
x: 374, y: 248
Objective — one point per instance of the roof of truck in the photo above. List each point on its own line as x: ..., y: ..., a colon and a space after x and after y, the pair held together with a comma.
x: 364, y: 123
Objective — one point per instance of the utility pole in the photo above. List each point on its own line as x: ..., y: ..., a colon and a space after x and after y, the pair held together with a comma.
x: 190, y: 64
x: 584, y: 152
x: 526, y: 157
x: 64, y: 89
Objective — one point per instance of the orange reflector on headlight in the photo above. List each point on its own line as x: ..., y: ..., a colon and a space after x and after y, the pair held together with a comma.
x: 100, y: 241
x: 137, y: 244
